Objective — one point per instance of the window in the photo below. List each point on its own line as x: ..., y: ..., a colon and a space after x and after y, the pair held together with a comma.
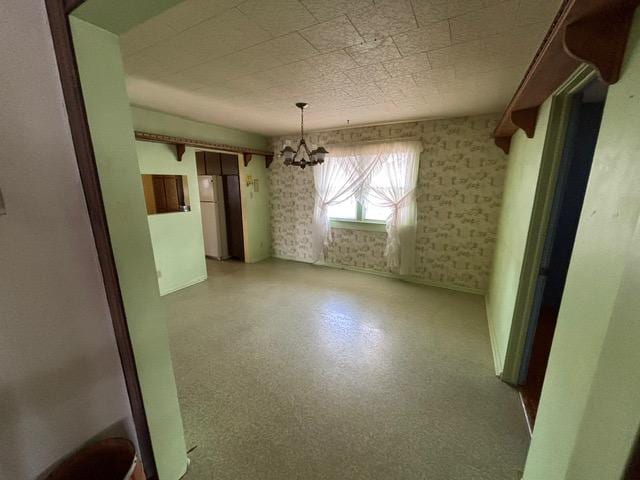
x: 166, y: 193
x: 356, y: 211
x: 369, y: 186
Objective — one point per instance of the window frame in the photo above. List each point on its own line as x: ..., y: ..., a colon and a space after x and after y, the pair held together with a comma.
x: 359, y: 223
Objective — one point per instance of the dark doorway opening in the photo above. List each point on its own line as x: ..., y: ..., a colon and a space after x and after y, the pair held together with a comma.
x: 571, y: 184
x: 233, y: 212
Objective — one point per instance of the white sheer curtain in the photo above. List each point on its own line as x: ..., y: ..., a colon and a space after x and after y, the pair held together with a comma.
x: 340, y: 176
x: 393, y: 185
x: 382, y: 174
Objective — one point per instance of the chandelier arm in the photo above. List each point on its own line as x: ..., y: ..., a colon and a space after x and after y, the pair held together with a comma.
x: 303, y: 156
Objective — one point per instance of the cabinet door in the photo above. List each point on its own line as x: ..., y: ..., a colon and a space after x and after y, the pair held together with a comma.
x: 200, y: 163
x: 171, y: 193
x: 158, y: 193
x: 212, y: 163
x: 229, y: 164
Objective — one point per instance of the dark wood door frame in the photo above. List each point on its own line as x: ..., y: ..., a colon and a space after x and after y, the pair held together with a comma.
x: 58, y: 12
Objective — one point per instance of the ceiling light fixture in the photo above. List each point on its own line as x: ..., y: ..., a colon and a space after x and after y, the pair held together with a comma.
x: 302, y: 157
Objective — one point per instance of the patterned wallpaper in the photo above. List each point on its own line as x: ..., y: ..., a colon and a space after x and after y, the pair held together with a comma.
x: 459, y: 192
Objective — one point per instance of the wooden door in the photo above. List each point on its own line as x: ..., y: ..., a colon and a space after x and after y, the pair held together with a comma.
x: 233, y: 215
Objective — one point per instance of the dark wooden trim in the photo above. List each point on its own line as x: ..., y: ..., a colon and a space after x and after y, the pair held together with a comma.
x: 157, y: 138
x: 591, y: 31
x: 268, y: 159
x: 600, y: 40
x: 633, y: 466
x: 71, y: 5
x: 57, y: 11
x: 504, y: 143
x: 526, y: 119
x: 180, y: 148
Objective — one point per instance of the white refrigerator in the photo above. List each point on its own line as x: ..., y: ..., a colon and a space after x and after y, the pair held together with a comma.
x: 213, y: 219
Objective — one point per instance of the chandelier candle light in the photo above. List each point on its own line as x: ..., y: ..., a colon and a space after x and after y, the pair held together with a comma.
x: 301, y: 157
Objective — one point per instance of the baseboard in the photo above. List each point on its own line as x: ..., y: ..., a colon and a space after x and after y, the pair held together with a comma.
x: 258, y: 259
x: 495, y: 350
x: 526, y: 414
x: 188, y: 284
x: 292, y: 259
x: 404, y: 278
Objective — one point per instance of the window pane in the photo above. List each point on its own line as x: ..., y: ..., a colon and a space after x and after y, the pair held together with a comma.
x: 373, y: 212
x: 346, y: 210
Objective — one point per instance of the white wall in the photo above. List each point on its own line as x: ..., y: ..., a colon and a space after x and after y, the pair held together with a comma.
x: 61, y: 382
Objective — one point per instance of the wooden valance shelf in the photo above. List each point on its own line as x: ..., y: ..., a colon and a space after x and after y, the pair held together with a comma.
x: 181, y: 143
x: 584, y: 31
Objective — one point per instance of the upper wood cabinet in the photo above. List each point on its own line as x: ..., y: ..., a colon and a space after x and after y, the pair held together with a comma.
x: 214, y: 163
x: 208, y: 163
x: 200, y: 163
x: 229, y: 164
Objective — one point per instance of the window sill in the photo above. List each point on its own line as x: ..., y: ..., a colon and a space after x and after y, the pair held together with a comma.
x: 370, y: 226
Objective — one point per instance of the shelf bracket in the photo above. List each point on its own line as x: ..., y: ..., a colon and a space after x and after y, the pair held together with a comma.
x: 526, y: 119
x: 180, y: 148
x: 504, y: 143
x: 600, y: 39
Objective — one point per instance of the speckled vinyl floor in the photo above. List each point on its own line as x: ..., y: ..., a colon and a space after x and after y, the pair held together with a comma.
x: 292, y: 371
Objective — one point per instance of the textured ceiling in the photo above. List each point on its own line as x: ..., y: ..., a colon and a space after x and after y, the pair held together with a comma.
x: 244, y: 63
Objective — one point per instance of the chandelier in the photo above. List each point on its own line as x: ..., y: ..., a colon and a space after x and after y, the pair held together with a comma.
x: 302, y: 156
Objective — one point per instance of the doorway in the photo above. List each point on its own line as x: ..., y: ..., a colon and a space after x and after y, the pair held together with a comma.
x: 221, y: 204
x: 585, y: 108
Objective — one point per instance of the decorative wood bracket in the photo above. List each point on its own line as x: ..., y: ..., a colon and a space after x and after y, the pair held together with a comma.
x: 180, y: 148
x: 504, y: 143
x: 526, y: 119
x: 591, y: 31
x: 601, y: 38
x: 267, y: 159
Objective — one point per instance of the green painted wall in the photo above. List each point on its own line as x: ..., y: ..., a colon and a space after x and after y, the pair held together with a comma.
x: 517, y: 200
x: 590, y: 406
x: 256, y: 210
x: 102, y: 77
x: 178, y: 247
x: 612, y: 415
x: 255, y: 205
x: 163, y: 123
x: 119, y: 16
